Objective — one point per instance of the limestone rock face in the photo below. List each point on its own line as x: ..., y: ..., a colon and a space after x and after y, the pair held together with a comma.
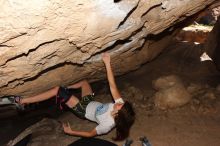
x: 47, y: 43
x: 171, y: 92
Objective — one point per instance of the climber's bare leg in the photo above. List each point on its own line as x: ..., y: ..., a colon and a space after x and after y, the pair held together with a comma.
x: 86, y: 90
x: 73, y: 100
x: 84, y: 85
x: 40, y: 97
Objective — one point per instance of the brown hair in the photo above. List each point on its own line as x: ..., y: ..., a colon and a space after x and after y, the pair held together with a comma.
x: 123, y: 121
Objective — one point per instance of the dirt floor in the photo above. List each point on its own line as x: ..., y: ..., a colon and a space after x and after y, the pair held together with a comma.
x: 194, y: 124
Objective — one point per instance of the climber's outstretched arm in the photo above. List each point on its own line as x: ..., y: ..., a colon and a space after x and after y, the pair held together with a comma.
x: 111, y: 79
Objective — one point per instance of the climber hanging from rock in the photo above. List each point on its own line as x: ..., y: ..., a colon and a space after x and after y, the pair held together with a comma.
x: 119, y: 114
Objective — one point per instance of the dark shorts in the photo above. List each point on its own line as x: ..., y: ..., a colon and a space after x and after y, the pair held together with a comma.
x: 80, y: 108
x: 64, y: 93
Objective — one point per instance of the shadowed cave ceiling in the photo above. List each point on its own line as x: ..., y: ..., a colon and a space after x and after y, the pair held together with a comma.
x: 47, y: 43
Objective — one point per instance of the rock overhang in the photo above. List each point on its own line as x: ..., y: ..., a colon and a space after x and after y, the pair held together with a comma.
x: 48, y: 43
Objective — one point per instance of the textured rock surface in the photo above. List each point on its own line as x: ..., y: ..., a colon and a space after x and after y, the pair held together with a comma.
x: 171, y: 92
x: 46, y: 43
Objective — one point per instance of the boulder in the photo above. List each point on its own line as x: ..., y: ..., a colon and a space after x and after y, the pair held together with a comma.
x: 171, y: 92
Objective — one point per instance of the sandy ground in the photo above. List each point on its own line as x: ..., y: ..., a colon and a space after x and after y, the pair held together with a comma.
x: 195, y: 124
x: 178, y: 128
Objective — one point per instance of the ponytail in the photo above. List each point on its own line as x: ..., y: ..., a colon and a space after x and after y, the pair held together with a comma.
x: 124, y: 120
